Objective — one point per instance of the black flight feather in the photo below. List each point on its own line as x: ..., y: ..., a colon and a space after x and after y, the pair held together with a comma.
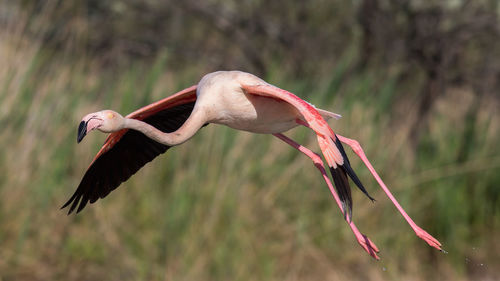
x: 347, y: 168
x: 339, y: 176
x: 342, y: 185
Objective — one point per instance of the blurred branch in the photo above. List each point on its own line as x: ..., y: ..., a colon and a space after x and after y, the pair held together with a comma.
x: 229, y: 24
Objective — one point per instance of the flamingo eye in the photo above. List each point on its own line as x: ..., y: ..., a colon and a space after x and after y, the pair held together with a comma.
x: 110, y: 115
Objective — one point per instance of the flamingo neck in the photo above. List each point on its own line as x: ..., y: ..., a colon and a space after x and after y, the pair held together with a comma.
x: 184, y: 133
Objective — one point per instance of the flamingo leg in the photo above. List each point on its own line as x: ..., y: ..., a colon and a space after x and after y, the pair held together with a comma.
x: 363, y: 240
x: 419, y: 231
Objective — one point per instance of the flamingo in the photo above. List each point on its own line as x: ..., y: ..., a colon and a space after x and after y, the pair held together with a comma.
x: 238, y: 100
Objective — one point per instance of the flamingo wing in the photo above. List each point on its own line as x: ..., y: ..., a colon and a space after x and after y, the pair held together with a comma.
x: 330, y: 145
x: 126, y: 151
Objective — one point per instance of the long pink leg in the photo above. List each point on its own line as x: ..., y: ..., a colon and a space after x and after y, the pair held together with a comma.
x: 419, y: 231
x: 364, y: 241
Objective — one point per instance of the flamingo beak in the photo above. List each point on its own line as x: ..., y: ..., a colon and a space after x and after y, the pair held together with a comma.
x: 82, y: 131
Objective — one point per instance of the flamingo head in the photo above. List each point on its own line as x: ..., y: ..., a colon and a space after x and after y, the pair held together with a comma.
x: 106, y: 121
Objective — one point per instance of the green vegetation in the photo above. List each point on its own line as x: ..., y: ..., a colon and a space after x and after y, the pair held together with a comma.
x: 231, y: 205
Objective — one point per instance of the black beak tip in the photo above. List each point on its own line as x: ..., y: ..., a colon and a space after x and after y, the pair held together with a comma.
x: 82, y: 131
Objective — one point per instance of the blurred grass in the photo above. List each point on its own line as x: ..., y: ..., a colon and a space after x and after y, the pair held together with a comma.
x: 230, y: 205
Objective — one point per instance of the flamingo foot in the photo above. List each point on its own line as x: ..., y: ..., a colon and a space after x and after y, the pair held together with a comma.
x: 365, y: 242
x: 368, y: 245
x: 433, y: 242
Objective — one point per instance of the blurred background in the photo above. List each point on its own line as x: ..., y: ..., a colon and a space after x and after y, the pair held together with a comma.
x: 417, y: 83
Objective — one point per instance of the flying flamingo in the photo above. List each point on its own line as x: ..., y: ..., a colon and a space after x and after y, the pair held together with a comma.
x: 236, y: 99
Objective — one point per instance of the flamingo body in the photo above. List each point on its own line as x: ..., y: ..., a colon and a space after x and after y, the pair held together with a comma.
x: 223, y: 101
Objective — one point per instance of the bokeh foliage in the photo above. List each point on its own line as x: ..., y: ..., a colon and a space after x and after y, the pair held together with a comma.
x: 417, y: 84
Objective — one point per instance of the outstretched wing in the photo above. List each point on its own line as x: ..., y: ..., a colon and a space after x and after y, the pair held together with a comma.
x: 126, y: 151
x: 330, y: 146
